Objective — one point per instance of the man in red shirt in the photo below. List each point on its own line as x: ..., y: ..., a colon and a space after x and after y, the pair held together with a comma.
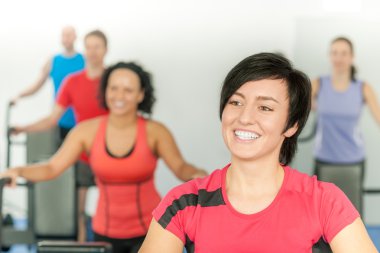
x: 79, y: 91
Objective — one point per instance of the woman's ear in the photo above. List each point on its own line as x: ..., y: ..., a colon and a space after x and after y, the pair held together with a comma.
x: 141, y: 96
x: 291, y: 131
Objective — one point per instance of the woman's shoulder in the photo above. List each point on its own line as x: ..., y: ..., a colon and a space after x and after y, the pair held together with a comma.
x: 196, y: 187
x: 330, y: 205
x: 153, y: 123
x: 90, y: 123
x: 188, y: 197
x: 317, y: 82
x: 88, y: 127
x: 320, y: 78
x: 155, y: 128
x: 303, y: 182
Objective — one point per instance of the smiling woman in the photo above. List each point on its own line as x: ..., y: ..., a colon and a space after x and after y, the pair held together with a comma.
x: 251, y: 118
x: 339, y: 101
x: 257, y: 203
x: 123, y: 149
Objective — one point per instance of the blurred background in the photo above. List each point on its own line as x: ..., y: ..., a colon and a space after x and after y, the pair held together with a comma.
x: 188, y: 46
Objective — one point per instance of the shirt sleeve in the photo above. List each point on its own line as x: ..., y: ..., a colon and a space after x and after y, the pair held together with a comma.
x: 336, y: 212
x: 174, y: 211
x: 63, y: 97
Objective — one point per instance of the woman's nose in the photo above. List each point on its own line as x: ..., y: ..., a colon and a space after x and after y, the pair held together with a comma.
x: 247, y: 115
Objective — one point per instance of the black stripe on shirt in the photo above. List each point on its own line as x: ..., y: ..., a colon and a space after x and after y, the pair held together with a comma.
x: 322, y: 246
x: 203, y: 198
x: 189, y: 246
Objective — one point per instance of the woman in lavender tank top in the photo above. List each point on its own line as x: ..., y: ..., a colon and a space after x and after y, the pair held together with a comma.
x: 338, y: 100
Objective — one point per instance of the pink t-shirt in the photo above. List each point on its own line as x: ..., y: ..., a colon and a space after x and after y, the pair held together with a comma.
x: 304, y: 210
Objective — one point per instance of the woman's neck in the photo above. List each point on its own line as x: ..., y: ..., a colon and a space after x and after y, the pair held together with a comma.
x: 255, y: 177
x: 122, y: 121
x: 341, y: 77
x: 252, y: 187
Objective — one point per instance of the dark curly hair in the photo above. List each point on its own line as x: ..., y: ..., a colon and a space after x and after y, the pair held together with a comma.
x: 145, y: 82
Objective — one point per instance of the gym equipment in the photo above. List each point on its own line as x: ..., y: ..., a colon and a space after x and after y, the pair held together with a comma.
x: 73, y: 247
x: 3, y: 182
x: 54, y: 208
x: 52, y: 205
x: 348, y: 177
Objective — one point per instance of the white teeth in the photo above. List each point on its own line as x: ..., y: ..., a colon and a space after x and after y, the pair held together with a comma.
x: 246, y: 135
x: 119, y: 104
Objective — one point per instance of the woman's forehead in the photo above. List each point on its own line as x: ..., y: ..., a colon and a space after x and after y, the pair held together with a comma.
x: 274, y: 88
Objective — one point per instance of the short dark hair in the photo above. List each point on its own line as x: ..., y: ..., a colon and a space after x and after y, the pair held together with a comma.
x: 273, y: 66
x: 146, y: 105
x: 99, y: 34
x: 349, y: 42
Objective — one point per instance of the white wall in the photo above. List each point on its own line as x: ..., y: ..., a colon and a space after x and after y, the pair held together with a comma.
x: 188, y: 46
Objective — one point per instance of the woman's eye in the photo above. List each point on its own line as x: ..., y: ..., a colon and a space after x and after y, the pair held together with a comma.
x: 234, y: 102
x: 265, y: 108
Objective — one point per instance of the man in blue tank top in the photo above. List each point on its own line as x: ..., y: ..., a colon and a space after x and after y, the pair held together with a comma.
x: 58, y: 68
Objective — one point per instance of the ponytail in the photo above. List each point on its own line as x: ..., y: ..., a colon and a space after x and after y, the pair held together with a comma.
x: 353, y: 73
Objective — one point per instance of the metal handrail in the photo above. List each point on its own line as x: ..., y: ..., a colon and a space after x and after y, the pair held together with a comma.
x: 372, y: 191
x: 9, y: 131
